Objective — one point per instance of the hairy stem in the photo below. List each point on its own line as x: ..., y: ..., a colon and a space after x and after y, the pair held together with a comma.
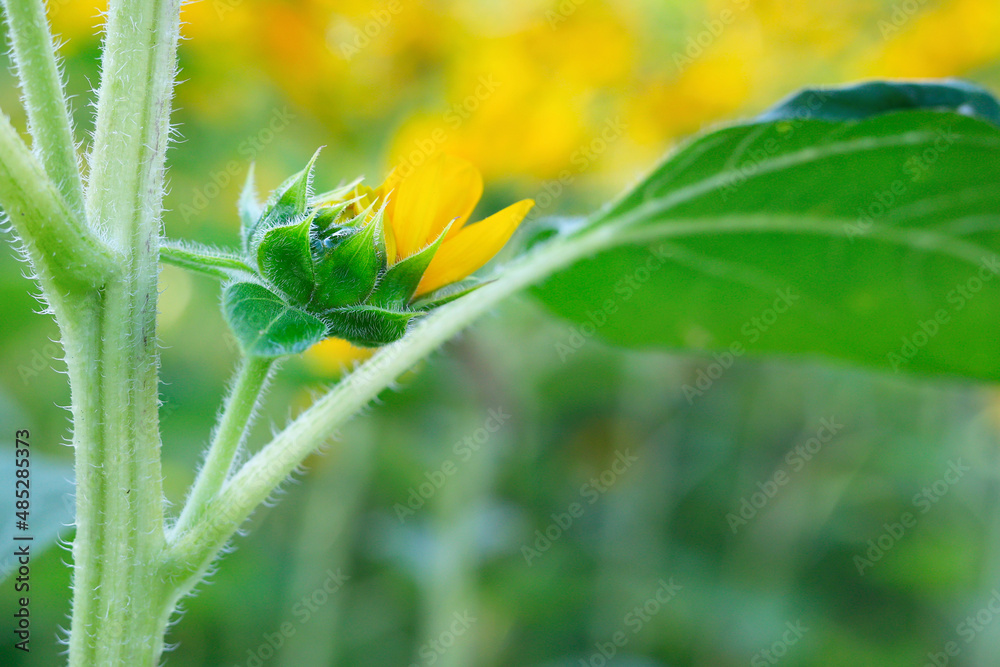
x: 191, y: 550
x: 49, y: 119
x: 118, y: 599
x: 209, y: 262
x: 66, y: 255
x: 244, y: 395
x: 119, y: 602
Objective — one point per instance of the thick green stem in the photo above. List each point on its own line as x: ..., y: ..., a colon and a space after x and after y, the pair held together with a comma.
x: 44, y: 98
x: 66, y: 255
x: 244, y: 395
x: 118, y: 600
x: 119, y: 607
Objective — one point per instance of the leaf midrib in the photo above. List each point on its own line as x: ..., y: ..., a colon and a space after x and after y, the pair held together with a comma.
x: 654, y: 207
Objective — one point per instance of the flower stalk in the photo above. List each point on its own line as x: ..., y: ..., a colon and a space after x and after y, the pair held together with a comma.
x: 244, y: 396
x: 191, y: 551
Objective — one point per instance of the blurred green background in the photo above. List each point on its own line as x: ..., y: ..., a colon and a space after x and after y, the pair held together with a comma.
x: 508, y: 552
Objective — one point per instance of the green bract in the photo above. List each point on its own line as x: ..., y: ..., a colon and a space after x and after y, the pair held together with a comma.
x: 314, y: 267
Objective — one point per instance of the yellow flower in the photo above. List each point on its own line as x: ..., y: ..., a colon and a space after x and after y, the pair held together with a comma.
x: 333, y: 356
x: 422, y: 203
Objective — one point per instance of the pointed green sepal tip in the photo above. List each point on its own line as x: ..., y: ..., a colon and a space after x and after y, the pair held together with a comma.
x: 284, y: 257
x: 368, y: 326
x: 348, y: 266
x: 249, y: 207
x: 265, y: 325
x: 447, y: 294
x: 286, y: 204
x: 330, y: 219
x: 400, y: 282
x: 337, y: 195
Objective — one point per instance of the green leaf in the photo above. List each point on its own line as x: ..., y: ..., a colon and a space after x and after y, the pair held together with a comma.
x: 285, y: 258
x: 368, y: 326
x: 266, y: 326
x: 205, y: 259
x: 873, y: 242
x: 285, y: 205
x: 397, y: 286
x: 346, y: 272
x: 875, y: 97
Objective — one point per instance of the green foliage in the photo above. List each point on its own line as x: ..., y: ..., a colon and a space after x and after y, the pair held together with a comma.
x: 370, y: 326
x: 398, y: 285
x: 285, y: 258
x: 447, y: 294
x: 265, y: 325
x: 286, y: 204
x: 206, y: 260
x: 312, y: 259
x: 874, y: 97
x: 348, y: 265
x: 871, y: 241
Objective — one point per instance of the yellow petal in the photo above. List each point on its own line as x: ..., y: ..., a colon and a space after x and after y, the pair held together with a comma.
x: 333, y: 355
x: 472, y: 247
x: 388, y: 186
x: 443, y: 189
x: 390, y: 239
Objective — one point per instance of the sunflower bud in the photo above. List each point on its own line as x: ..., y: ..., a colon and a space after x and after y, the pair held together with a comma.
x: 330, y: 266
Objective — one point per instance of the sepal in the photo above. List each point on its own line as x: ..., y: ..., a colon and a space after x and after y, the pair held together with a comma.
x: 286, y: 205
x: 398, y: 285
x: 265, y: 325
x: 284, y: 257
x: 368, y: 326
x: 447, y: 294
x: 348, y: 265
x: 249, y: 206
